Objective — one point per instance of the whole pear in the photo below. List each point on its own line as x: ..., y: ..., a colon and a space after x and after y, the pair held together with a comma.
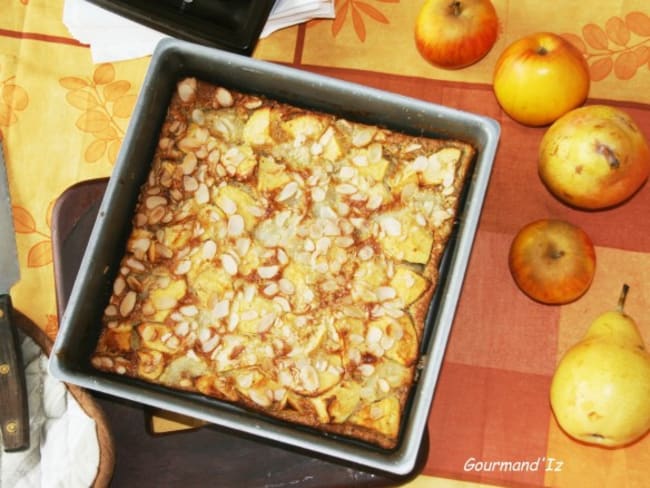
x: 600, y: 391
x: 594, y: 157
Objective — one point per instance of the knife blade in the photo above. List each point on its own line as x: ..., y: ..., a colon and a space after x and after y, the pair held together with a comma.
x: 14, y: 410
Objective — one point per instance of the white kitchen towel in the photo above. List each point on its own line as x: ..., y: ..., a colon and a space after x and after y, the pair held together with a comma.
x: 64, y: 447
x: 115, y: 38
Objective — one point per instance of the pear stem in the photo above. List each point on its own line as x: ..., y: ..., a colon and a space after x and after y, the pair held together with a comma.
x: 622, y: 297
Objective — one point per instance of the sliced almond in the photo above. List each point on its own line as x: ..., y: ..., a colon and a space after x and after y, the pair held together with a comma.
x: 346, y: 189
x: 344, y: 241
x: 360, y: 160
x: 229, y: 264
x: 186, y: 89
x: 323, y: 244
x: 209, y: 249
x: 190, y: 184
x: 261, y: 398
x: 204, y: 334
x: 283, y: 303
x: 387, y: 342
x: 286, y: 286
x: 148, y: 308
x: 133, y: 282
x: 376, y: 412
x: 271, y: 289
x: 249, y: 293
x: 363, y: 136
x: 242, y: 245
x: 308, y: 295
x: 182, y: 329
x: 266, y: 272
x: 223, y: 97
x: 366, y: 253
x: 172, y: 341
x: 374, y: 334
x: 347, y: 173
x: 374, y: 202
x: 420, y: 220
x: 282, y: 257
x: 385, y: 293
x: 128, y: 303
x: 221, y: 309
x: 189, y: 310
x: 183, y: 267
x: 202, y: 194
x: 245, y: 381
x: 227, y: 205
x: 279, y: 394
x: 210, y: 344
x: 309, y: 378
x: 236, y: 225
x: 157, y: 215
x: 366, y: 369
x: 309, y: 246
x: 154, y: 201
x: 318, y: 194
x: 198, y: 116
x: 391, y: 226
x: 256, y: 211
x: 189, y: 144
x: 266, y: 321
x: 253, y: 103
x: 288, y: 191
x: 119, y: 285
x: 233, y: 321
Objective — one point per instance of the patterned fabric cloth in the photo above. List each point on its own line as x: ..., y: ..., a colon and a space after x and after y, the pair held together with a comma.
x: 63, y: 119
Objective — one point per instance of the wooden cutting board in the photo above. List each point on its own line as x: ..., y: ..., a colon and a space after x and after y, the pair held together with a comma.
x: 154, y: 448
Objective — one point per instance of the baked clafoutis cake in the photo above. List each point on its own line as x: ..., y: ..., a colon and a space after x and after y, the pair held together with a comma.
x: 283, y: 259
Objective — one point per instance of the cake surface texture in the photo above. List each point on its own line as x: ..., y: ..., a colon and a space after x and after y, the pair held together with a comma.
x: 284, y: 259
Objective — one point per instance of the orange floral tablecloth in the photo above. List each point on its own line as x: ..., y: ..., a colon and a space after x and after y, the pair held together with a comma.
x: 63, y: 119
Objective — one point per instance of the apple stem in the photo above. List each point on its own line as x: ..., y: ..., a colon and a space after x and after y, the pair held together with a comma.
x: 542, y: 51
x: 622, y: 297
x: 456, y: 8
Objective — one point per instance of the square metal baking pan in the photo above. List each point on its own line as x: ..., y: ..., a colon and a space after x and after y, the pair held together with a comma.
x: 233, y: 25
x: 173, y: 59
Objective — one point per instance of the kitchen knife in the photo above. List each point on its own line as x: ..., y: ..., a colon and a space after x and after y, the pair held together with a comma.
x: 14, y: 411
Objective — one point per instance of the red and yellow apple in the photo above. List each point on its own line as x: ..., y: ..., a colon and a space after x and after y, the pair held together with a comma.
x: 552, y: 261
x: 594, y: 157
x: 539, y: 78
x: 453, y: 34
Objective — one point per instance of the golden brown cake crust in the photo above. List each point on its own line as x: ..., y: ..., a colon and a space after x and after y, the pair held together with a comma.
x: 284, y: 260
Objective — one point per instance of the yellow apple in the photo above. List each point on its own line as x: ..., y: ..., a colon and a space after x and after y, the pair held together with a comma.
x: 594, y: 157
x: 539, y: 78
x: 453, y: 34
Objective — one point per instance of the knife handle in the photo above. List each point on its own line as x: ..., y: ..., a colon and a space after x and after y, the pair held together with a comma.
x: 14, y: 409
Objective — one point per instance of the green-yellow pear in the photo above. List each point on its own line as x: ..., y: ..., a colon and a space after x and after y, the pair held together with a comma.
x: 600, y: 392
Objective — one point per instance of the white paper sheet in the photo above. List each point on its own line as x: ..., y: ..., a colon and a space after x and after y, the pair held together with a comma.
x: 115, y: 38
